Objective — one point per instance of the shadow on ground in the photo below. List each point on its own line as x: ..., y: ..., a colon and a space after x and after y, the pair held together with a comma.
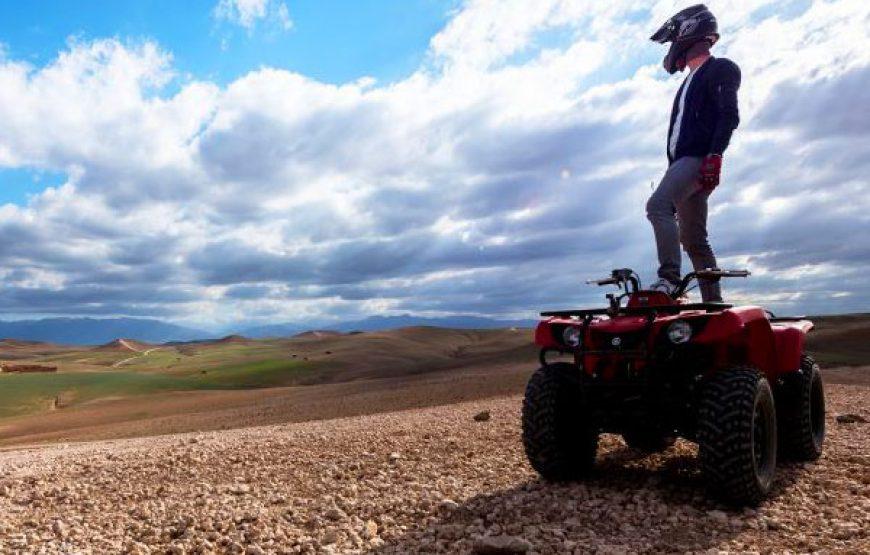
x: 634, y: 503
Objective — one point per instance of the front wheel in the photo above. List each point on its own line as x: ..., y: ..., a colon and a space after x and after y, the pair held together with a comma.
x: 559, y: 436
x: 737, y: 435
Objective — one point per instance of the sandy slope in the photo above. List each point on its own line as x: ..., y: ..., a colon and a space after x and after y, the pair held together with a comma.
x: 216, y: 410
x: 419, y: 480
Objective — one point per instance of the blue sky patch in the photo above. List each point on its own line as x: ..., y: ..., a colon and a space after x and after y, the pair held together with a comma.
x: 18, y: 184
x: 331, y: 41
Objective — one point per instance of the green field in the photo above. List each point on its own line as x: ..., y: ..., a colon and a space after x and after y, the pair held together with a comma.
x: 166, y: 369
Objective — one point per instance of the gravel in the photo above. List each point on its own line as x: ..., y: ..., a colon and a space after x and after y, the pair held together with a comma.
x: 427, y: 480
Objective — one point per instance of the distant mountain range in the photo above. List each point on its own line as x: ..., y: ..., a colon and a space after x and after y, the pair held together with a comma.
x: 96, y: 331
x: 374, y: 323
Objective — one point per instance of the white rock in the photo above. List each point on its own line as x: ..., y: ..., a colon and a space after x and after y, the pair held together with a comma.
x: 59, y: 528
x: 720, y: 517
x: 370, y: 529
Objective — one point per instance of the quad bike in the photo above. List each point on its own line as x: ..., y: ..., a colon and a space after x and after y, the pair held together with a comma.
x: 735, y: 380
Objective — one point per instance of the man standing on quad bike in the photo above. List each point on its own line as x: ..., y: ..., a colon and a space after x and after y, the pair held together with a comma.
x: 703, y: 117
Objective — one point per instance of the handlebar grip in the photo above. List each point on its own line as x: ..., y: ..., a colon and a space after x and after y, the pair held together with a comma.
x: 722, y: 273
x: 607, y: 281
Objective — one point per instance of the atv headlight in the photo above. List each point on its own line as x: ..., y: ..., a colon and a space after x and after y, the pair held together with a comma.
x: 572, y: 337
x: 679, y: 332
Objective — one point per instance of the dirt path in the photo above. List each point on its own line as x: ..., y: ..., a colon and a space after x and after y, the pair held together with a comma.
x: 423, y: 480
x: 139, y: 354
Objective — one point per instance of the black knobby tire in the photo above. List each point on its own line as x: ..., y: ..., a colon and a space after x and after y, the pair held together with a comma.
x: 559, y: 436
x: 648, y: 440
x: 737, y: 435
x: 801, y: 408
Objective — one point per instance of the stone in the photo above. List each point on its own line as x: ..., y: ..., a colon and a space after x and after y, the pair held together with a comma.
x: 331, y: 536
x: 59, y: 528
x: 137, y: 548
x: 450, y: 531
x: 718, y: 517
x: 850, y: 418
x: 500, y: 545
x: 370, y: 529
x: 240, y: 489
x: 846, y: 530
x: 482, y: 416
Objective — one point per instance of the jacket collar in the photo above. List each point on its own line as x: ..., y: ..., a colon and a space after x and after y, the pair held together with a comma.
x: 703, y: 67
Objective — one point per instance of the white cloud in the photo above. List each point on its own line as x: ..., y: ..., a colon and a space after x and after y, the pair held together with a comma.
x: 492, y: 180
x: 247, y: 13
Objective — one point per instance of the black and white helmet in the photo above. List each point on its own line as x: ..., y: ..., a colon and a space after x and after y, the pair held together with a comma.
x: 684, y: 29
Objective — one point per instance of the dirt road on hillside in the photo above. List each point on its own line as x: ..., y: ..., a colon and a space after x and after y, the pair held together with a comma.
x: 423, y: 480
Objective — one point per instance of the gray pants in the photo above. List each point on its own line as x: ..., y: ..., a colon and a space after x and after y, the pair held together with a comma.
x: 680, y: 197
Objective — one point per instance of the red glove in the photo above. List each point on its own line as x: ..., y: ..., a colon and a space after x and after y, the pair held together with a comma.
x: 711, y: 167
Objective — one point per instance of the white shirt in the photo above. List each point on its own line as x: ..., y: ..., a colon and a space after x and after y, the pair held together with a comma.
x: 675, y: 132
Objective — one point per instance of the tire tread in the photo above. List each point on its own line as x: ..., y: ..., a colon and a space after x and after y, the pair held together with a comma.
x: 559, y: 438
x: 725, y: 434
x: 796, y: 429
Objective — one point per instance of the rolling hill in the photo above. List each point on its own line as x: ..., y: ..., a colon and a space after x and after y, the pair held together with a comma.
x: 132, y: 387
x: 377, y: 323
x: 96, y: 331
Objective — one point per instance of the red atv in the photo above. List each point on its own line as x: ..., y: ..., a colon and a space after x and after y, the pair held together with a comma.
x: 735, y: 380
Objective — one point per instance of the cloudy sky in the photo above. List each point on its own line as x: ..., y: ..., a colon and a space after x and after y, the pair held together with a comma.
x: 279, y: 160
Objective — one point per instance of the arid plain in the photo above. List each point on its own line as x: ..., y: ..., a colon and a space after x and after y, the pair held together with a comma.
x: 367, y: 443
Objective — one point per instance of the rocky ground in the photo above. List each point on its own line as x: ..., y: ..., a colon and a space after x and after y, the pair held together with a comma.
x: 423, y: 480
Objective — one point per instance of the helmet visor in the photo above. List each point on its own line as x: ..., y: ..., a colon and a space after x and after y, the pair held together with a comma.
x: 666, y: 32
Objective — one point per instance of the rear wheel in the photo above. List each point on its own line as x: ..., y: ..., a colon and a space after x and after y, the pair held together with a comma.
x: 737, y: 435
x: 559, y: 436
x: 801, y: 411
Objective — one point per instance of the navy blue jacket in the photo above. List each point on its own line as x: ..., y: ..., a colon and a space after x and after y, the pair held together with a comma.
x: 710, y: 112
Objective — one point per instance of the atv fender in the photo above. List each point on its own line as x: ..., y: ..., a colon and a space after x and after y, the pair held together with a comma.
x: 741, y: 336
x: 789, y: 338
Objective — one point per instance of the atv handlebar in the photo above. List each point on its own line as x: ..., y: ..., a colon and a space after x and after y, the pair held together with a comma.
x: 606, y: 281
x: 713, y: 272
x: 621, y: 277
x: 709, y: 273
x: 625, y: 277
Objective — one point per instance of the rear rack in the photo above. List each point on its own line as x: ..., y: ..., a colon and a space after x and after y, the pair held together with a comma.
x: 638, y: 310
